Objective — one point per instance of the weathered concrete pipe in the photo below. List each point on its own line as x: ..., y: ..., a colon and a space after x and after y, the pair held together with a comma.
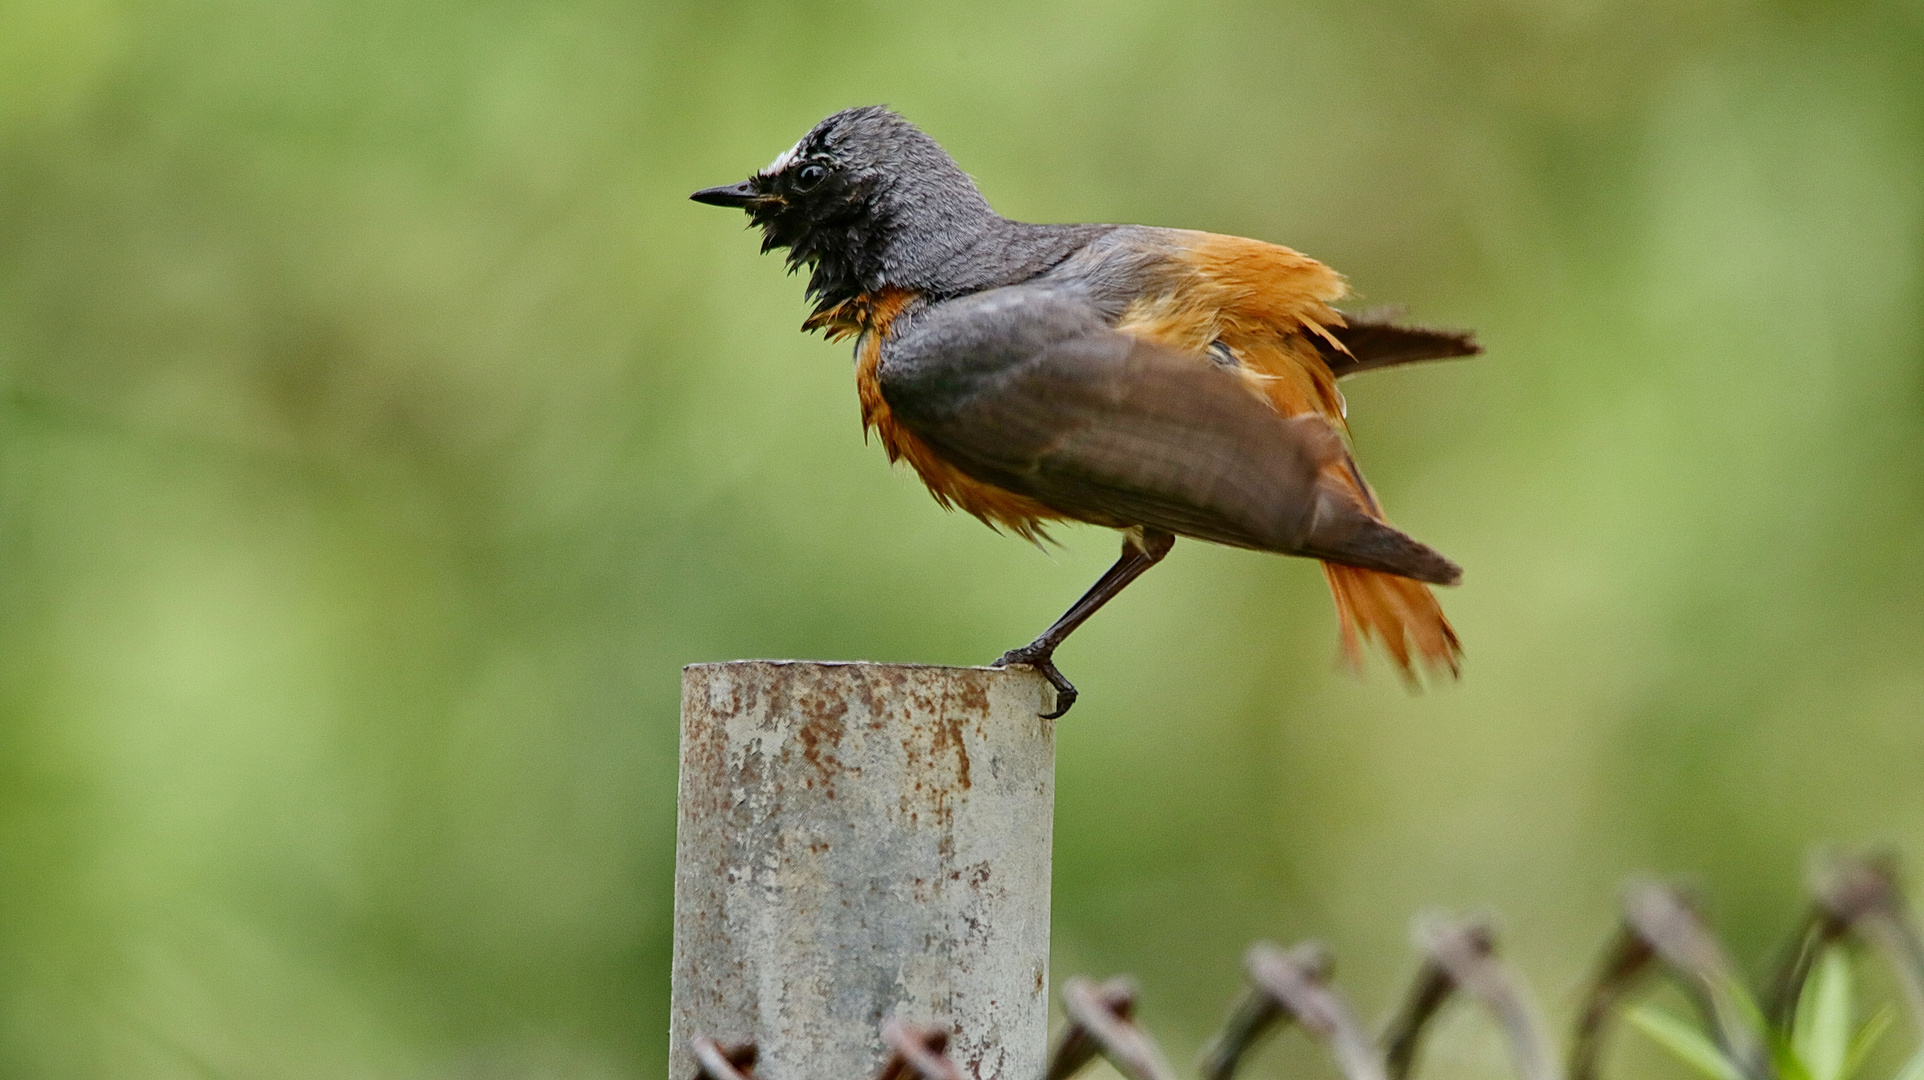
x: 858, y: 842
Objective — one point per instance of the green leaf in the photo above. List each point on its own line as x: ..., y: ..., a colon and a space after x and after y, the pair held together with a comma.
x: 1739, y: 1018
x: 1866, y: 1040
x: 1686, y: 1042
x: 1821, y: 1030
x: 1784, y: 1057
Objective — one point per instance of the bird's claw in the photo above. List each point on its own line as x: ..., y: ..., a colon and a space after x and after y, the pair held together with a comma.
x: 1044, y: 664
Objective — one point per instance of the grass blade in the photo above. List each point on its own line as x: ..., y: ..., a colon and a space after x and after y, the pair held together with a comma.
x: 1821, y: 1032
x: 1866, y: 1040
x: 1686, y: 1042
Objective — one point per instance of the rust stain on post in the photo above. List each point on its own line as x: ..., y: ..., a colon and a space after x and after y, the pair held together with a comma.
x: 861, y: 842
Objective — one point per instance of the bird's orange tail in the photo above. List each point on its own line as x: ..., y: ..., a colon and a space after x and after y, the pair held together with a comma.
x: 1400, y: 614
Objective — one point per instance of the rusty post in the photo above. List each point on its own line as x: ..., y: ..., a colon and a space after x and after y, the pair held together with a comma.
x: 861, y: 843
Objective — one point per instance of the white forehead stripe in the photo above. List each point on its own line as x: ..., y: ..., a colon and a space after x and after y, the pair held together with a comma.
x: 783, y: 161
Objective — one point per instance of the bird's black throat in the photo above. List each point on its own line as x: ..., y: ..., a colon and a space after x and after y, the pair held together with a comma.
x: 836, y: 232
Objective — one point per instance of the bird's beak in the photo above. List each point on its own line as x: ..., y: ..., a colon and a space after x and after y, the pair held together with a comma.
x: 736, y: 195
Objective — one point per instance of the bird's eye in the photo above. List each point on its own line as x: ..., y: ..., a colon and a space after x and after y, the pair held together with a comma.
x: 809, y: 177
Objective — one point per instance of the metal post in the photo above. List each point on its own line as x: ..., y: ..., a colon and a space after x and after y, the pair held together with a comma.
x: 861, y: 842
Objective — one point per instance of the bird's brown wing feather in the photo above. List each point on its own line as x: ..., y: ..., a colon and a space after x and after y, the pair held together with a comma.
x: 1374, y: 340
x: 1027, y: 388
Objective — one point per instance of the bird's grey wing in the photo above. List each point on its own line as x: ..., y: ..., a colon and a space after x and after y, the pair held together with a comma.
x: 1027, y: 388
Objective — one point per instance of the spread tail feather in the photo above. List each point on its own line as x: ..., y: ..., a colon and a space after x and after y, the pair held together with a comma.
x: 1400, y: 614
x: 1379, y: 576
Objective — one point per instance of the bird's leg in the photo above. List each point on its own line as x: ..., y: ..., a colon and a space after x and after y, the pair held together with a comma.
x: 1141, y: 549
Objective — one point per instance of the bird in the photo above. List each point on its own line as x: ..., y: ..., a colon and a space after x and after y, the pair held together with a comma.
x: 1162, y: 382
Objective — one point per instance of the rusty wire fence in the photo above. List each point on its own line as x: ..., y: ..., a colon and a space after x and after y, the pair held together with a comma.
x: 1662, y: 935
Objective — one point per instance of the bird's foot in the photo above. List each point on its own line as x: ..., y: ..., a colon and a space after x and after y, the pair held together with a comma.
x: 1043, y: 661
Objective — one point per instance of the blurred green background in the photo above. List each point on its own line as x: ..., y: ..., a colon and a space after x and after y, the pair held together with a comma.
x: 382, y: 429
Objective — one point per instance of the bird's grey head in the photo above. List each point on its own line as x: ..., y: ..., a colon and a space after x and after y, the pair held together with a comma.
x: 865, y: 200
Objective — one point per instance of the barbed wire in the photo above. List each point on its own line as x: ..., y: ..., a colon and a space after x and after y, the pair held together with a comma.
x: 1661, y: 933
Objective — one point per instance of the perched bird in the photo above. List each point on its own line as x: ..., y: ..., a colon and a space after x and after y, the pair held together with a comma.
x: 1158, y: 381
